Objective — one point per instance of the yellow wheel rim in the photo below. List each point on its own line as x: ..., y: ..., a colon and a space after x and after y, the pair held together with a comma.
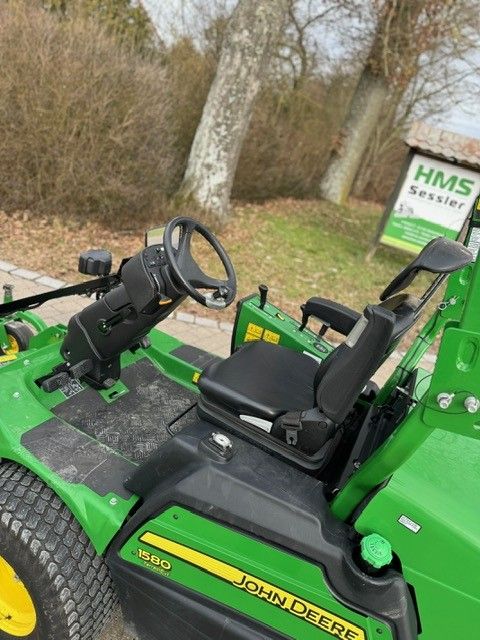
x: 17, y: 611
x: 13, y: 346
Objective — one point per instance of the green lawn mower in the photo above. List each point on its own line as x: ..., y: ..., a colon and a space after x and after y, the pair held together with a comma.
x: 274, y: 494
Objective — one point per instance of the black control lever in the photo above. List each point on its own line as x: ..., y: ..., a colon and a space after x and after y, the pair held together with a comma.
x: 263, y: 289
x: 305, y: 317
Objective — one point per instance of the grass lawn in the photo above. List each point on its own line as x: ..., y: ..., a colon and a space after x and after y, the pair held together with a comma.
x: 298, y: 248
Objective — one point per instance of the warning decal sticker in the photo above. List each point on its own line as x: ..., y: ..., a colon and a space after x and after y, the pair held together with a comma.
x: 256, y: 332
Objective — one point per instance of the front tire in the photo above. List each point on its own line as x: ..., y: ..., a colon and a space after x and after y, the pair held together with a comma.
x: 18, y: 335
x: 55, y: 586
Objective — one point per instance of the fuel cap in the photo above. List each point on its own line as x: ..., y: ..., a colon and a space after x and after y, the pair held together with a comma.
x: 376, y: 551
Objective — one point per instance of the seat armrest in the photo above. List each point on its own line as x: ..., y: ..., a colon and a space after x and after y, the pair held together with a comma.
x: 332, y: 314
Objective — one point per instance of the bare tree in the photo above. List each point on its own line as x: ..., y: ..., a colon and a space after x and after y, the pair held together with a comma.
x: 396, y: 22
x: 302, y: 54
x: 298, y: 48
x: 251, y: 36
x: 442, y: 78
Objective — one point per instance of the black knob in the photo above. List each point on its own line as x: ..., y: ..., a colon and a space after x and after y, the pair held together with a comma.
x: 96, y: 262
x: 221, y: 292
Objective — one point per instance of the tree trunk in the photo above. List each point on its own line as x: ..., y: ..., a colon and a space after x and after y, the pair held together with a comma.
x: 252, y: 33
x: 365, y: 109
x: 390, y: 58
x: 384, y: 132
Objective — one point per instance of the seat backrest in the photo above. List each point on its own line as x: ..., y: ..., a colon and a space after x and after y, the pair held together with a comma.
x: 343, y: 375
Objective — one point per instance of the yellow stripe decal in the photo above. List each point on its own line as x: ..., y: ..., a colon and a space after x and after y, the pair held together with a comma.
x: 311, y: 613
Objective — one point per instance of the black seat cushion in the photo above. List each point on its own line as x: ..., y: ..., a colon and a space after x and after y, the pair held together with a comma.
x: 262, y: 380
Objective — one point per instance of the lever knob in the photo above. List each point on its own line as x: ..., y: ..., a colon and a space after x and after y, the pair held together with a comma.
x: 263, y: 289
x: 95, y: 262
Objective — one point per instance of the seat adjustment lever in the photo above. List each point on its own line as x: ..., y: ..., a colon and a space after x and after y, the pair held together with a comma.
x: 316, y: 426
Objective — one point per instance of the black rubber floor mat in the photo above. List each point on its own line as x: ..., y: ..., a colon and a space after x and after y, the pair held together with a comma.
x: 136, y: 423
x: 77, y: 458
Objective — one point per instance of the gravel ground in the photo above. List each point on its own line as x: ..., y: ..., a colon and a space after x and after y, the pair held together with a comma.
x: 115, y: 630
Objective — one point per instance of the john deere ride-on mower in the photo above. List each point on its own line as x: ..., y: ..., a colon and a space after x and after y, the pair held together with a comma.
x: 277, y: 493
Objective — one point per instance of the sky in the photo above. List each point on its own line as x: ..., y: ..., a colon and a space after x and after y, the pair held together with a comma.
x: 467, y: 120
x: 463, y: 119
x: 459, y: 121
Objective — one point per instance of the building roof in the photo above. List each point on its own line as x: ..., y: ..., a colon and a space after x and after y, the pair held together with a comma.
x: 444, y: 144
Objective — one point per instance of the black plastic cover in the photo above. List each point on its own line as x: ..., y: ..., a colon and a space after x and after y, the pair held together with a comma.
x: 158, y: 609
x: 344, y: 374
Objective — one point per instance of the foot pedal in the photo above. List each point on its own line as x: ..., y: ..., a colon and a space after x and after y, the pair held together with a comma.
x: 62, y: 376
x: 55, y: 382
x: 80, y: 369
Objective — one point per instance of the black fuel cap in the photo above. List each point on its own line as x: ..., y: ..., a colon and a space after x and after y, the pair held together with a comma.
x: 95, y: 262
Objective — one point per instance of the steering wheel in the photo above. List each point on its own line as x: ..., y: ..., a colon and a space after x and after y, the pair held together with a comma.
x: 186, y: 271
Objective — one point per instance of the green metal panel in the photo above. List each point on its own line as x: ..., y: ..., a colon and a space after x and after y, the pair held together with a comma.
x: 175, y: 368
x: 456, y: 371
x: 437, y: 488
x: 273, y: 325
x: 278, y: 589
x: 382, y: 464
x: 429, y: 506
x: 3, y: 337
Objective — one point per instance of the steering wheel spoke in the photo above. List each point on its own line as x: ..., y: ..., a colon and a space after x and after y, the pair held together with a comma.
x: 184, y: 246
x: 194, y: 274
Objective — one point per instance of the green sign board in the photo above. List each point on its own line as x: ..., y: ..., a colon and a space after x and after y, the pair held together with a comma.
x: 433, y: 199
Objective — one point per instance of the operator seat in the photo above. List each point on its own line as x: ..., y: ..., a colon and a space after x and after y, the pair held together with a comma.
x: 284, y: 398
x: 262, y: 379
x: 265, y: 380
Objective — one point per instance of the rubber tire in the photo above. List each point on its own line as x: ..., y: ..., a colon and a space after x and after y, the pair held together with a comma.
x: 70, y: 585
x: 21, y: 332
